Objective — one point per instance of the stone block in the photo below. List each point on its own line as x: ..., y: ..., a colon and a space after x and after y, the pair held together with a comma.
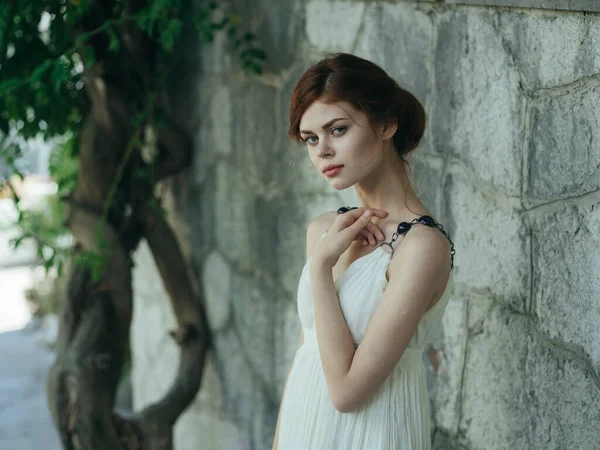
x: 551, y: 48
x: 217, y: 291
x: 426, y: 180
x: 239, y: 380
x: 253, y: 313
x: 155, y: 355
x: 448, y: 384
x: 566, y: 286
x: 518, y: 392
x: 253, y: 130
x: 221, y: 118
x: 491, y: 239
x: 208, y: 430
x: 234, y: 216
x: 564, y: 147
x: 568, y: 5
x: 290, y: 252
x: 279, y: 27
x: 215, y: 59
x: 399, y: 38
x: 478, y: 108
x: 333, y: 26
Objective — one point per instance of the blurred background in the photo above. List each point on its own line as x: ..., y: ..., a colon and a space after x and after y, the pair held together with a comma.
x: 28, y: 319
x: 153, y: 215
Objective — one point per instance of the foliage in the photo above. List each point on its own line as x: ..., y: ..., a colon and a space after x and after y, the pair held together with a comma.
x: 44, y: 56
x: 45, y: 226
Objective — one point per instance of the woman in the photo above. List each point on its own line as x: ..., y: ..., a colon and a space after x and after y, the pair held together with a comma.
x: 368, y: 304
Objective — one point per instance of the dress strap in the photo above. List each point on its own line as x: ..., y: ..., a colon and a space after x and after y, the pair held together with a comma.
x: 404, y: 227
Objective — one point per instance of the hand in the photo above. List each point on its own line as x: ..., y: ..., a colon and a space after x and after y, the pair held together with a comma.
x: 346, y: 228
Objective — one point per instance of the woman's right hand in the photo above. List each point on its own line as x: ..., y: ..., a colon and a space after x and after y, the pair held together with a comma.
x: 344, y: 230
x: 372, y: 233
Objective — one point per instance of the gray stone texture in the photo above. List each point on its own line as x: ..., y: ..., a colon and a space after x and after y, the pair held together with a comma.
x: 510, y: 165
x: 564, y: 145
x: 517, y: 390
x: 491, y: 239
x: 551, y: 48
x: 399, y: 40
x: 476, y: 116
x: 569, y: 5
x: 566, y: 296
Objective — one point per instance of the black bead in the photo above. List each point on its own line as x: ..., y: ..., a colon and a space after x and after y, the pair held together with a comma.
x: 344, y: 209
x: 403, y: 227
x: 427, y: 220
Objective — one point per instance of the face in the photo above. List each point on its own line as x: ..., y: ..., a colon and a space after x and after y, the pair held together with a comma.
x: 347, y: 142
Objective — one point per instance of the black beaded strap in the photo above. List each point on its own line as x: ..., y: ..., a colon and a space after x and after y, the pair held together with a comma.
x: 403, y: 228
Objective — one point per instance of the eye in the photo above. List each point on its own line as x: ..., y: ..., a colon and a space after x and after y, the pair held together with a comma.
x: 339, y: 128
x: 307, y: 140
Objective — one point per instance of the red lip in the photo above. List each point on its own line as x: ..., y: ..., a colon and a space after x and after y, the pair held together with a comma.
x: 331, y: 166
x: 333, y: 172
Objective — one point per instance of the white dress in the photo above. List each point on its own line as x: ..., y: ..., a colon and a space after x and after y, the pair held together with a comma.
x: 396, y: 417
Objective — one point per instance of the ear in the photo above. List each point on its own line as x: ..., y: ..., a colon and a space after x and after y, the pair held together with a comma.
x: 389, y: 129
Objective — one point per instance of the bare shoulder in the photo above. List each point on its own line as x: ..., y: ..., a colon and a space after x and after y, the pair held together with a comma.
x: 425, y: 244
x: 316, y: 228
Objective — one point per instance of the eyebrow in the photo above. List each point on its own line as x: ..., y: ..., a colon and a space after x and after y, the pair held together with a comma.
x: 327, y: 125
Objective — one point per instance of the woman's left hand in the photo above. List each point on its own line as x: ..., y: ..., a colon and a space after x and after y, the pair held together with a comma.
x: 342, y: 232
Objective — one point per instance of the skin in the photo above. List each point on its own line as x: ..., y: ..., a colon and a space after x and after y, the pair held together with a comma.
x: 371, y: 165
x: 417, y: 272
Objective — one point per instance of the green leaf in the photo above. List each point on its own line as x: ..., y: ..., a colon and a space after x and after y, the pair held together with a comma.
x: 142, y: 172
x: 219, y: 25
x: 205, y: 36
x: 171, y: 33
x: 231, y: 31
x: 40, y: 70
x: 89, y: 57
x: 255, y: 53
x: 80, y: 39
x: 252, y: 67
x: 114, y: 43
x: 16, y: 242
x: 60, y: 74
x: 4, y: 125
x: 60, y: 268
x: 249, y: 37
x: 49, y: 262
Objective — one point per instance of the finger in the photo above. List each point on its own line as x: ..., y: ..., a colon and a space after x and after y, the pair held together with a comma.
x: 372, y: 232
x: 359, y: 224
x: 362, y: 238
x: 375, y: 231
x: 356, y: 213
x: 350, y: 217
x: 374, y: 211
x: 368, y: 237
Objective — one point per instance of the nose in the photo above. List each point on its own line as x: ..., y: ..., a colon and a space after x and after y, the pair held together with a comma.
x: 323, y: 149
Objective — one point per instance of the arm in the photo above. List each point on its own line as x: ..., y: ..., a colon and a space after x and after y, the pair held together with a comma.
x: 354, y: 375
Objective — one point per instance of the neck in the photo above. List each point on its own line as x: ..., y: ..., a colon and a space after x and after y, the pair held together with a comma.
x: 388, y: 187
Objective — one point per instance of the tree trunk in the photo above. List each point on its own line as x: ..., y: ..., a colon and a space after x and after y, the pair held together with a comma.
x: 95, y: 317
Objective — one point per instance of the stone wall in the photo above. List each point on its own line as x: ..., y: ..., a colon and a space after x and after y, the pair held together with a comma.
x: 510, y: 165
